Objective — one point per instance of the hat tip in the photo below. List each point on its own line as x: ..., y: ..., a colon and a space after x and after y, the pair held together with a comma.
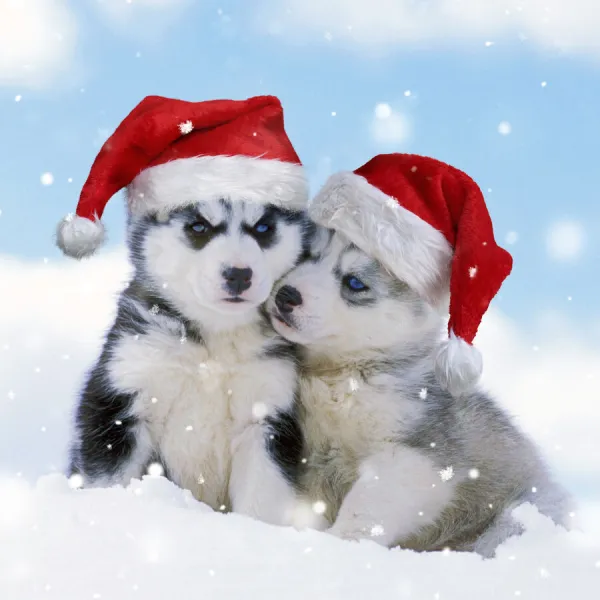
x: 458, y: 365
x: 79, y: 237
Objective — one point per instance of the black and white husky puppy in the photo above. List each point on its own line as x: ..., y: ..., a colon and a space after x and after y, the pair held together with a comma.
x: 393, y: 456
x: 191, y: 375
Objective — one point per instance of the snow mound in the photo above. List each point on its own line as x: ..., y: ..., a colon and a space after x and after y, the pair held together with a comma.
x: 154, y: 541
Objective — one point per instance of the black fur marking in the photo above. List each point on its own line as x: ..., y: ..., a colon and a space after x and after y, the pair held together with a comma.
x: 106, y: 429
x: 129, y: 320
x: 285, y: 444
x: 281, y: 349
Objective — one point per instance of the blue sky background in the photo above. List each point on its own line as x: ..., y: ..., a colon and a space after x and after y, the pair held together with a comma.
x: 545, y: 171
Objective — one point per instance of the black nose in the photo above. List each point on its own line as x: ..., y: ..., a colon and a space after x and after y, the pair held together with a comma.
x: 237, y: 280
x: 287, y: 298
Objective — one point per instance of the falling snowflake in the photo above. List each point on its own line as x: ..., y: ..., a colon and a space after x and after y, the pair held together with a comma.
x: 222, y: 507
x: 333, y: 113
x: 259, y: 410
x: 118, y: 422
x: 383, y: 111
x: 154, y: 310
x: 447, y: 474
x: 186, y: 127
x: 474, y: 474
x: 407, y: 93
x: 544, y: 573
x: 534, y: 490
x: 391, y: 202
x: 11, y: 395
x: 47, y: 179
x: 189, y: 428
x: 544, y: 83
x: 155, y: 470
x: 472, y: 272
x: 154, y: 400
x: 377, y: 530
x: 489, y: 44
x: 423, y: 393
x: 319, y: 507
x: 512, y: 237
x: 18, y: 98
x: 353, y: 384
x: 200, y: 480
x: 504, y: 128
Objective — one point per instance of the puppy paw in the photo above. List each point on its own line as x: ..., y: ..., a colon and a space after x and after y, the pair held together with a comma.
x: 359, y: 529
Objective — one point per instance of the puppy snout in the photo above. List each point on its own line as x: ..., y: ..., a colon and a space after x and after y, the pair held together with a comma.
x: 237, y: 280
x: 288, y: 298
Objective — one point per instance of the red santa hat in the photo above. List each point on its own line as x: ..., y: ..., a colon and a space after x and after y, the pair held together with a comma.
x: 170, y: 153
x: 427, y: 223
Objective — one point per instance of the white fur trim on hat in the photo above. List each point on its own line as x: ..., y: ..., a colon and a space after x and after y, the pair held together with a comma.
x: 79, y: 237
x: 185, y: 181
x: 458, y: 365
x: 410, y: 248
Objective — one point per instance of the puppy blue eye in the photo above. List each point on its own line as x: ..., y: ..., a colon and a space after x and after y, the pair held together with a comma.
x: 355, y: 284
x: 199, y: 228
x: 261, y: 228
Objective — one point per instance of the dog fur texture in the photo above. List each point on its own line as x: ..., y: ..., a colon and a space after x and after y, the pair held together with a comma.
x: 191, y: 375
x: 394, y: 457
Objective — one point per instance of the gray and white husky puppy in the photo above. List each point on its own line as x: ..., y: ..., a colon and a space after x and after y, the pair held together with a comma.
x: 191, y: 375
x: 393, y: 456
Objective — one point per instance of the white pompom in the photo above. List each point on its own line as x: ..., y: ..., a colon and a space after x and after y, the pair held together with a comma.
x: 79, y: 237
x: 458, y: 365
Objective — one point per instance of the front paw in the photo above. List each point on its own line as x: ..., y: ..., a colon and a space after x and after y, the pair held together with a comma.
x: 359, y: 529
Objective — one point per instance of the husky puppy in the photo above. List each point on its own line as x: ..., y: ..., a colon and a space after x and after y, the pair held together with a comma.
x: 392, y: 455
x: 191, y: 376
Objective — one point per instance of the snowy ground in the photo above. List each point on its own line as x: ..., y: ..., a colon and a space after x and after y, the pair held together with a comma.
x: 152, y: 540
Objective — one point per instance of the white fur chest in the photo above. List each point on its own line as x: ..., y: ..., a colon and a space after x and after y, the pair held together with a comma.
x: 347, y: 418
x: 195, y: 399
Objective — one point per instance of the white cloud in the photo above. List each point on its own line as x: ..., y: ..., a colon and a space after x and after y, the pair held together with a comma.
x: 51, y: 326
x: 568, y: 25
x: 141, y: 18
x: 389, y: 127
x: 37, y: 41
x: 565, y: 240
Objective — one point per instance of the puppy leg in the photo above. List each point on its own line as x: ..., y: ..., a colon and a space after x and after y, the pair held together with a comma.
x: 112, y: 445
x: 266, y: 458
x: 399, y: 490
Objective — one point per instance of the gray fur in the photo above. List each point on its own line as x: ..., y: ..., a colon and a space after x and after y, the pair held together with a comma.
x: 386, y: 348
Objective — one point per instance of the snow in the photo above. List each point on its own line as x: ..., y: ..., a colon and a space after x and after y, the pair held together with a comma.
x: 389, y: 127
x: 565, y: 240
x: 504, y: 128
x: 512, y: 237
x: 186, y: 127
x: 47, y: 179
x: 154, y: 541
